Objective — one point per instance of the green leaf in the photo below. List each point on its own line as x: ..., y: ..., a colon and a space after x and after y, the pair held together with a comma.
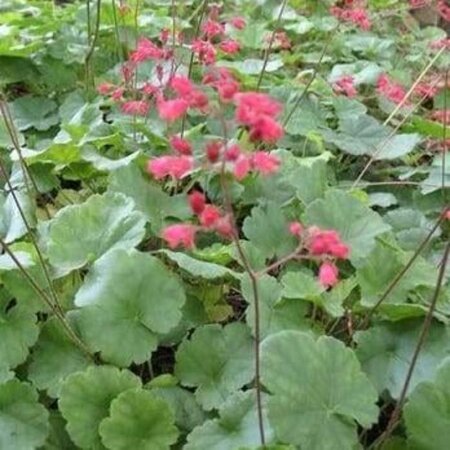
x: 364, y: 135
x: 275, y: 314
x: 308, y: 176
x: 18, y: 332
x: 12, y: 226
x: 236, y: 427
x: 264, y: 228
x: 132, y: 297
x: 427, y: 412
x: 319, y: 391
x: 435, y: 180
x: 139, y: 420
x: 217, y: 360
x: 100, y: 162
x: 200, y: 269
x: 58, y: 438
x: 79, y: 234
x: 410, y: 226
x: 386, y: 350
x: 5, y: 138
x: 357, y: 224
x: 23, y: 421
x: 34, y: 112
x: 309, y: 116
x: 188, y: 413
x: 301, y: 285
x: 85, y: 400
x: 54, y: 358
x: 150, y: 199
x: 252, y: 66
x: 382, y: 266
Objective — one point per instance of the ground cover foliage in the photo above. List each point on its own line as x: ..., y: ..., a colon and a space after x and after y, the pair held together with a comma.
x: 224, y: 226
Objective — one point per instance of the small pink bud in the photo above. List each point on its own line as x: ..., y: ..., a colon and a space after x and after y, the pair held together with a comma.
x: 328, y: 274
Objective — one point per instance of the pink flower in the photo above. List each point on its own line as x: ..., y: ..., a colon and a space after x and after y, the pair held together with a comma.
x: 252, y: 105
x: 238, y: 22
x: 327, y: 242
x: 440, y: 43
x: 328, y: 274
x: 150, y: 89
x: 266, y: 129
x: 205, y: 51
x: 105, y: 88
x: 224, y: 227
x: 180, y: 234
x: 415, y: 4
x: 197, y: 202
x: 357, y: 16
x: 230, y: 46
x: 233, y: 152
x: 180, y: 145
x: 145, y: 50
x: 296, y: 229
x: 345, y: 85
x: 444, y: 10
x: 212, y: 28
x: 442, y: 116
x: 117, y: 94
x: 265, y: 163
x: 182, y: 85
x: 447, y: 214
x: 227, y: 90
x: 175, y: 166
x: 135, y: 108
x: 426, y: 90
x: 242, y: 167
x: 171, y: 110
x: 389, y: 89
x: 209, y: 216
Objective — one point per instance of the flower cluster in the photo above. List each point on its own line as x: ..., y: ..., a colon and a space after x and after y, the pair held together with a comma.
x: 209, y: 217
x: 393, y: 91
x: 325, y: 246
x: 443, y: 10
x: 355, y: 15
x: 346, y: 85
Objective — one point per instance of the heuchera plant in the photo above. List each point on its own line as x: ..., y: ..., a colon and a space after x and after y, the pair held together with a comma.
x: 224, y: 226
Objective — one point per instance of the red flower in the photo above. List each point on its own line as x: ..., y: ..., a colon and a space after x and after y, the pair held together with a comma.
x: 197, y: 202
x: 205, y: 51
x: 145, y: 50
x: 251, y: 105
x: 180, y: 234
x: 444, y: 10
x: 265, y: 163
x: 182, y: 85
x: 266, y: 129
x: 135, y: 107
x: 224, y: 227
x: 209, y: 216
x: 175, y: 166
x: 213, y: 151
x: 171, y: 110
x: 212, y: 28
x: 233, y: 152
x: 328, y: 274
x: 327, y: 242
x: 389, y: 89
x: 230, y: 46
x: 180, y: 145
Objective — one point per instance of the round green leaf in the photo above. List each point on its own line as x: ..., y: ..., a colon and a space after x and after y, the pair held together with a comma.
x: 139, y: 420
x: 357, y: 224
x: 36, y: 112
x: 23, y: 421
x: 132, y: 297
x: 54, y: 358
x: 79, y: 234
x: 427, y: 413
x: 236, y: 427
x: 217, y: 360
x: 385, y: 352
x: 319, y: 391
x: 18, y: 332
x: 85, y: 399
